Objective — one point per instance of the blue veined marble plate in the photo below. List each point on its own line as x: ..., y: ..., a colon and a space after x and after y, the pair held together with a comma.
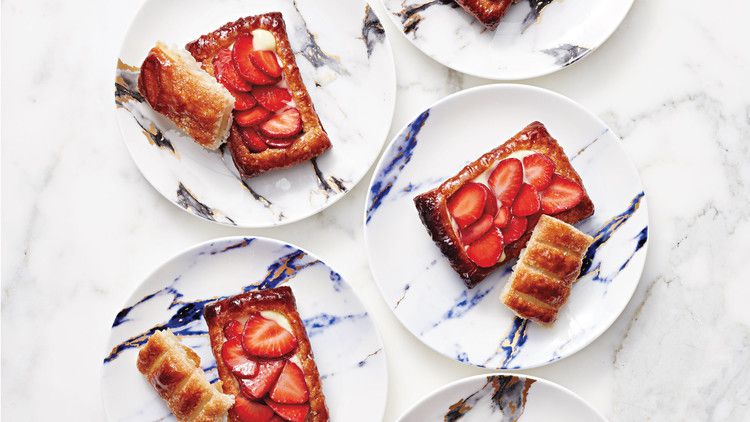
x: 346, y: 63
x: 502, y: 398
x: 472, y: 325
x: 347, y: 347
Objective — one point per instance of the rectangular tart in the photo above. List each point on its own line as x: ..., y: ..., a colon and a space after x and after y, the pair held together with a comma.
x: 488, y: 12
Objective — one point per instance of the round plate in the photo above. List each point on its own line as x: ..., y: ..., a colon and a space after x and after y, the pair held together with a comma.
x: 347, y: 66
x: 347, y: 347
x: 526, y: 44
x: 502, y: 397
x: 472, y: 325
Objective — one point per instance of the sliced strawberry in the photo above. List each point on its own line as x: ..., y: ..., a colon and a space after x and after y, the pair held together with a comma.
x: 283, y: 125
x: 273, y: 98
x: 266, y: 338
x: 251, y: 411
x: 515, y: 229
x: 487, y: 250
x: 467, y: 204
x: 506, y: 180
x: 252, y: 117
x: 490, y: 204
x: 243, y: 48
x: 227, y: 74
x: 502, y: 217
x: 252, y: 140
x: 561, y: 195
x: 279, y: 143
x: 243, y: 100
x: 267, y: 63
x: 276, y: 418
x: 290, y: 388
x: 527, y: 201
x: 258, y: 386
x: 235, y: 358
x: 232, y: 329
x: 476, y: 229
x: 538, y: 169
x: 290, y: 412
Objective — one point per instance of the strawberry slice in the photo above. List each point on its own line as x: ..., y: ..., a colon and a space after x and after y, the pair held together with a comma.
x: 290, y: 388
x: 467, y: 204
x: 490, y: 206
x: 235, y: 358
x: 476, y: 229
x: 241, y: 51
x: 267, y: 63
x: 272, y: 98
x: 506, y: 180
x: 279, y: 143
x: 283, y: 125
x: 252, y: 117
x: 243, y: 100
x: 252, y: 140
x: 251, y: 411
x: 561, y: 195
x: 487, y: 250
x: 527, y: 201
x: 258, y: 386
x: 538, y: 169
x: 276, y: 418
x: 232, y: 329
x: 266, y: 338
x: 290, y: 412
x: 503, y: 217
x: 227, y: 74
x: 515, y: 229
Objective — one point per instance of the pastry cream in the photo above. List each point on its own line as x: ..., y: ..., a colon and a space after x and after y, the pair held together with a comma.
x: 263, y: 40
x: 277, y: 317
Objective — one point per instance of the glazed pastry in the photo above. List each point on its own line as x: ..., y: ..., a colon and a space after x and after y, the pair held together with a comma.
x: 173, y: 369
x: 264, y: 357
x: 174, y: 84
x: 546, y: 270
x: 275, y: 123
x: 488, y: 12
x: 483, y: 216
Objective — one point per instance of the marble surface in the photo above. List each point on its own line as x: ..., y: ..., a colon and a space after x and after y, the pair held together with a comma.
x: 81, y: 227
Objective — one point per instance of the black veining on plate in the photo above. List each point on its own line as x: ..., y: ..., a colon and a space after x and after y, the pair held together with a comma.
x: 536, y: 10
x: 330, y: 184
x: 411, y: 15
x: 566, y: 54
x: 187, y: 200
x: 507, y: 394
x: 313, y: 53
x: 372, y: 30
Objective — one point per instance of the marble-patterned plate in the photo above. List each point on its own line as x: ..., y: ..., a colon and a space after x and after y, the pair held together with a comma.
x: 502, y: 398
x: 347, y: 346
x: 472, y: 325
x: 535, y: 37
x: 347, y: 65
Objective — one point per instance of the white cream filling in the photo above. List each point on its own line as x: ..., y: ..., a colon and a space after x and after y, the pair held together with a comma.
x: 277, y: 317
x: 263, y: 40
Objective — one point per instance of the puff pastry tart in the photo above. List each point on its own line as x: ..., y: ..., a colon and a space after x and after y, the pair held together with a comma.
x: 275, y: 123
x: 546, y: 270
x: 174, y: 84
x: 488, y: 12
x: 482, y: 217
x: 264, y: 357
x: 174, y: 371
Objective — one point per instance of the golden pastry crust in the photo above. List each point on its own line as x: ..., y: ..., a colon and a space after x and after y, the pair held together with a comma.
x: 488, y: 12
x: 433, y: 210
x: 281, y: 300
x: 313, y: 141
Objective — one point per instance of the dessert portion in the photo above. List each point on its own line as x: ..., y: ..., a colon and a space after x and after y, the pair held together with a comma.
x: 488, y: 12
x: 483, y: 216
x: 264, y: 357
x: 275, y: 123
x: 174, y: 84
x: 545, y: 272
x: 173, y: 369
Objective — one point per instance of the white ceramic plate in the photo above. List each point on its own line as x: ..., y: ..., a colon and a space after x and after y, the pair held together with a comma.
x: 526, y: 44
x: 347, y: 66
x: 472, y: 325
x: 345, y: 342
x: 502, y: 398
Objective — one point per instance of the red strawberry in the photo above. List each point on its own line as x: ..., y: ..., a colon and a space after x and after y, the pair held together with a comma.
x: 266, y: 338
x: 527, y: 201
x: 252, y: 140
x: 279, y: 143
x: 561, y: 195
x: 235, y: 358
x: 258, y: 386
x: 538, y: 169
x: 283, y: 125
x: 276, y: 418
x: 252, y: 117
x: 272, y: 98
x: 503, y: 217
x: 467, y: 204
x: 290, y: 412
x: 487, y: 250
x: 476, y: 229
x: 506, y: 180
x: 226, y: 73
x: 232, y: 329
x: 243, y: 48
x: 251, y: 411
x: 490, y: 205
x: 515, y: 229
x: 290, y: 388
x: 243, y: 100
x: 267, y: 63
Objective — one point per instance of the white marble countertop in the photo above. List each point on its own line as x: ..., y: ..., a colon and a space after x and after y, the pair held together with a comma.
x: 81, y: 227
